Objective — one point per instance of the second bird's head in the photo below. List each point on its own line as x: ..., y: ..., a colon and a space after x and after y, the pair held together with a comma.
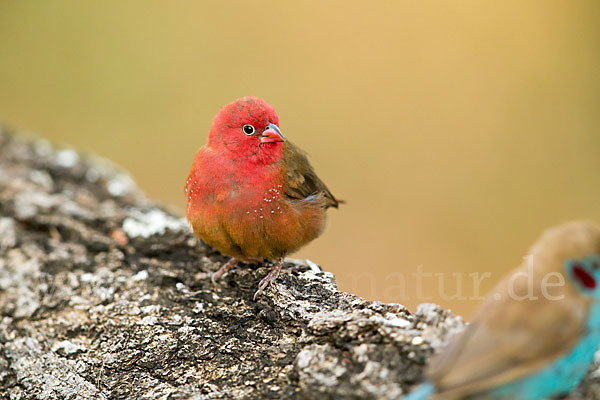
x: 247, y: 128
x: 574, y: 250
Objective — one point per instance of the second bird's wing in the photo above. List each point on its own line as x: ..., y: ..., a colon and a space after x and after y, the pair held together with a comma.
x: 302, y: 181
x: 508, y: 339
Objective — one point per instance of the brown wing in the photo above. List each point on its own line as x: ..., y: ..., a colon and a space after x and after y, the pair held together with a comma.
x: 302, y: 181
x: 508, y: 339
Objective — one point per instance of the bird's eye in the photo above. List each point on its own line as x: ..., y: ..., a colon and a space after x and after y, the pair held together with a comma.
x: 248, y: 129
x: 583, y: 277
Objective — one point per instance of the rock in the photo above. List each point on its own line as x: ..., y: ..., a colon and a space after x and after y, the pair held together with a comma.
x: 106, y: 295
x: 8, y: 234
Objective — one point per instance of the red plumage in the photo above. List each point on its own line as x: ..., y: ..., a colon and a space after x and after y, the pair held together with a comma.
x: 251, y: 194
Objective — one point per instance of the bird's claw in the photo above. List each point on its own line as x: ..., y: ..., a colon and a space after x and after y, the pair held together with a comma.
x: 267, y: 280
x: 223, y: 270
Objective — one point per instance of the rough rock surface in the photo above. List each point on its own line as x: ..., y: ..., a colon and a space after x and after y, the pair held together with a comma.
x: 106, y: 295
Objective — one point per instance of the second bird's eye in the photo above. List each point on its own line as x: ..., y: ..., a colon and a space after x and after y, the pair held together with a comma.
x: 248, y: 129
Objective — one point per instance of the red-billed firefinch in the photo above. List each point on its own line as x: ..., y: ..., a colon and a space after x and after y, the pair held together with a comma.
x: 251, y: 194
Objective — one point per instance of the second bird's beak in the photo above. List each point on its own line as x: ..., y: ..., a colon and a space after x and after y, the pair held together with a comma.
x: 271, y: 134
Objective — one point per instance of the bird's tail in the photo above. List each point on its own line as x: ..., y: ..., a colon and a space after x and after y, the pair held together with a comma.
x: 421, y: 393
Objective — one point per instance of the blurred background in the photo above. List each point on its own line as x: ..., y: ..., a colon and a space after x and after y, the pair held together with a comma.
x: 456, y: 131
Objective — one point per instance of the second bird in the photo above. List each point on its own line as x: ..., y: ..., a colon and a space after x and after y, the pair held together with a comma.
x: 536, y: 334
x: 251, y: 194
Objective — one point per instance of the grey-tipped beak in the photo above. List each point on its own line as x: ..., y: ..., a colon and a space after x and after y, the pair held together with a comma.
x: 272, y: 134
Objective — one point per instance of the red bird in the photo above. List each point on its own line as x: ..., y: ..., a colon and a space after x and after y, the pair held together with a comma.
x: 251, y: 194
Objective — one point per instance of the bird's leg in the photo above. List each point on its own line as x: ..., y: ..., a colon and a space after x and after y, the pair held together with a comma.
x: 223, y: 270
x: 271, y: 276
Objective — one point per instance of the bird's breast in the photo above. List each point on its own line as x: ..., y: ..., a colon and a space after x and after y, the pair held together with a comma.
x: 243, y: 211
x: 266, y: 204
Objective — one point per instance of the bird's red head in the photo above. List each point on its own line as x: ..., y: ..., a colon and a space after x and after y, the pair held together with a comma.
x: 248, y: 128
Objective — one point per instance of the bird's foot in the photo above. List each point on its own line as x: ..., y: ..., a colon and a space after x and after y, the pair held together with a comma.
x: 289, y: 270
x: 223, y: 270
x: 267, y: 280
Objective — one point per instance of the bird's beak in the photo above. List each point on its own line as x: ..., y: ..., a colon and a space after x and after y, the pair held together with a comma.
x: 271, y: 134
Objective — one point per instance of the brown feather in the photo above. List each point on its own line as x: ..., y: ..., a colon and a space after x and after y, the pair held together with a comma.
x: 302, y: 181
